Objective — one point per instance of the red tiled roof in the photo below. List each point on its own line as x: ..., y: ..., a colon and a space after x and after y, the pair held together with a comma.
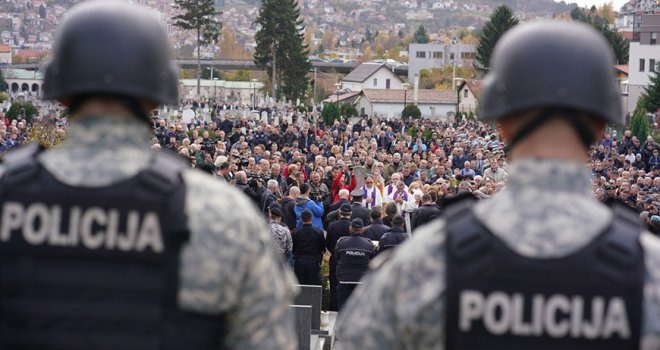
x: 622, y: 68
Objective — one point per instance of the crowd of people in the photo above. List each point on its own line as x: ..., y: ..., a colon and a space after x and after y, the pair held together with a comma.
x: 398, y: 162
x: 392, y: 175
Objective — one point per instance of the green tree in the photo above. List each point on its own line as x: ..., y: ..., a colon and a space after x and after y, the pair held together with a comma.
x: 420, y: 36
x: 330, y: 113
x: 501, y: 20
x: 411, y: 111
x: 3, y: 97
x: 650, y: 98
x: 600, y: 20
x: 281, y: 48
x: 639, y: 125
x: 3, y: 83
x: 217, y: 74
x: 348, y: 110
x: 198, y: 15
x: 22, y: 109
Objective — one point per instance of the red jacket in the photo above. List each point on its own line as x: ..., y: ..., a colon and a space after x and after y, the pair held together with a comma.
x: 337, y: 185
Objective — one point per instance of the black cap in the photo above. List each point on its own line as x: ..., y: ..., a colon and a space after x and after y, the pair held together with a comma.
x: 345, y: 208
x: 306, y: 215
x: 357, y: 224
x: 358, y: 192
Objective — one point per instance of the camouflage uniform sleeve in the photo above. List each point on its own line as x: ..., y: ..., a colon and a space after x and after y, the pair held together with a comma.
x: 651, y: 308
x: 230, y: 268
x: 401, y: 305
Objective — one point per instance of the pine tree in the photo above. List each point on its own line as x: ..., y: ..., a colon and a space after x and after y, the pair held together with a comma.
x: 639, y: 123
x: 420, y: 36
x: 501, y: 20
x: 651, y: 95
x: 619, y: 44
x: 198, y: 15
x: 3, y: 83
x: 281, y: 34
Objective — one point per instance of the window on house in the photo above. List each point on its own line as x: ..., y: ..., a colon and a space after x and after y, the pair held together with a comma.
x: 387, y: 83
x: 437, y: 54
x: 421, y: 54
x: 375, y: 82
x: 651, y: 65
x: 468, y: 55
x: 642, y: 63
x: 465, y: 93
x: 654, y: 38
x: 451, y: 56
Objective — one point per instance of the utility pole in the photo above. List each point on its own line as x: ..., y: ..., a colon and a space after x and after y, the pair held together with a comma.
x: 315, y: 69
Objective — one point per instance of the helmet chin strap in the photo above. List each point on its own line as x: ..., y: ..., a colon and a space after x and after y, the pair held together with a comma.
x: 583, y: 130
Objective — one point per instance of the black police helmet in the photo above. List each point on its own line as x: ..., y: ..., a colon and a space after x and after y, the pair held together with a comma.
x: 552, y: 65
x: 111, y: 48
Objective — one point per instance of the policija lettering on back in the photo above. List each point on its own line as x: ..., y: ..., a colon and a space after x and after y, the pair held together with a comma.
x: 90, y: 228
x: 557, y: 316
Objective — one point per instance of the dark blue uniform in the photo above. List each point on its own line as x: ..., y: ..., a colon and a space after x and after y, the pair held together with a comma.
x: 391, y: 239
x: 353, y: 255
x: 376, y: 230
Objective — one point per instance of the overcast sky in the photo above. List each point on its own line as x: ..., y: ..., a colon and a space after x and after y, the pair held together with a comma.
x: 584, y: 3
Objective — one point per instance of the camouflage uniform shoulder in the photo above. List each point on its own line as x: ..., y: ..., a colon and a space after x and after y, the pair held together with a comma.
x: 230, y: 267
x: 401, y: 304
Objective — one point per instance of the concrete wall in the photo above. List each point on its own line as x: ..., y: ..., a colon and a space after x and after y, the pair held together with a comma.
x: 442, y: 57
x: 637, y: 78
x: 393, y: 110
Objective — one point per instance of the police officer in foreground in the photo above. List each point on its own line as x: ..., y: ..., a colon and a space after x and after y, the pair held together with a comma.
x: 353, y: 253
x: 107, y: 245
x: 541, y: 265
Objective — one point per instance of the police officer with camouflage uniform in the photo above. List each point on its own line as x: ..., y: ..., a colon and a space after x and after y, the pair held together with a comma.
x: 541, y: 265
x: 107, y: 245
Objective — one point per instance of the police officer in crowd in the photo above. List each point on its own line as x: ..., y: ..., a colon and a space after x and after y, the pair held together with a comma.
x: 338, y: 229
x: 106, y: 244
x: 359, y: 211
x: 353, y: 255
x: 377, y: 229
x: 425, y: 213
x: 395, y: 236
x: 308, y: 249
x: 541, y: 264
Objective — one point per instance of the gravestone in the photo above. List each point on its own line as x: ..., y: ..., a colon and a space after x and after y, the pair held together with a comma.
x: 312, y: 296
x: 303, y: 317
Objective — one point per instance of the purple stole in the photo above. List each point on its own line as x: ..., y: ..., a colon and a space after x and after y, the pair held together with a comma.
x: 390, y: 188
x: 373, y: 196
x: 405, y: 196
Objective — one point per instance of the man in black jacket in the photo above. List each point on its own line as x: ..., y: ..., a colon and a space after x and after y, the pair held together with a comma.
x: 308, y: 249
x: 333, y: 211
x: 353, y: 256
x: 359, y: 212
x: 377, y: 229
x: 395, y: 236
x: 288, y: 206
x: 425, y: 213
x: 336, y: 230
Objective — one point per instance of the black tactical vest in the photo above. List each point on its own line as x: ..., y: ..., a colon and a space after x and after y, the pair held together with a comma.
x: 498, y: 299
x: 95, y: 268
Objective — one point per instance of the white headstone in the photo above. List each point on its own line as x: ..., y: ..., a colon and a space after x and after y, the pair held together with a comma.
x: 188, y: 115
